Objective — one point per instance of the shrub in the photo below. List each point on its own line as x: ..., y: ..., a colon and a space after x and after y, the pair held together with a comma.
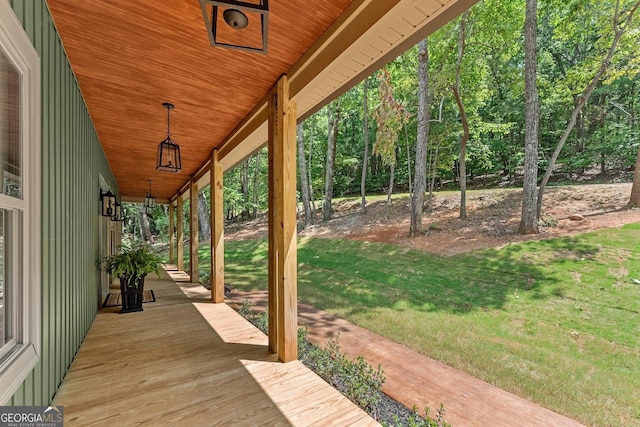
x: 356, y: 379
x: 548, y: 221
x: 205, y: 278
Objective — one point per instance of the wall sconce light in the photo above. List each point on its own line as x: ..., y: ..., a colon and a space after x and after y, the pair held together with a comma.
x: 149, y: 201
x: 168, y: 151
x: 117, y: 216
x: 234, y: 13
x: 108, y: 203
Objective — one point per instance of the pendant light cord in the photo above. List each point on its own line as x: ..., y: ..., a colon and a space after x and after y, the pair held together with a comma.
x: 168, y: 122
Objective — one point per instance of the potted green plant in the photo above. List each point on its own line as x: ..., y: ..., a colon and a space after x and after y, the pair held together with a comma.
x: 131, y: 266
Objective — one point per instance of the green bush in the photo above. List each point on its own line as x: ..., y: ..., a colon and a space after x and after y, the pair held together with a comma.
x: 549, y: 221
x: 205, y: 278
x: 257, y: 319
x: 356, y: 379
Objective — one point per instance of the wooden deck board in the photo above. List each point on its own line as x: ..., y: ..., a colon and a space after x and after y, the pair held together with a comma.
x: 186, y: 361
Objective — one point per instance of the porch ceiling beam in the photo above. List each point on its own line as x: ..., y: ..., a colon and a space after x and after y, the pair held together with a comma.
x: 346, y: 32
x: 201, y: 177
x: 367, y: 36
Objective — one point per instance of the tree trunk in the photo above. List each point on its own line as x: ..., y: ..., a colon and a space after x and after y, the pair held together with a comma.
x: 432, y: 183
x: 304, y: 183
x: 580, y: 136
x: 529, y: 217
x: 634, y: 200
x: 619, y: 29
x: 256, y: 185
x: 392, y: 175
x: 204, y: 219
x: 245, y: 189
x: 462, y: 162
x: 406, y: 137
x: 365, y: 156
x: 333, y: 120
x: 424, y: 113
x: 145, y: 228
x: 310, y: 181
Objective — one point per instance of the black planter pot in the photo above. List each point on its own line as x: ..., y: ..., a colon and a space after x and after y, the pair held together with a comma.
x: 131, y: 289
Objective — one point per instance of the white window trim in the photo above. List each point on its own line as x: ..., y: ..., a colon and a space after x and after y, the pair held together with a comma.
x: 15, y: 43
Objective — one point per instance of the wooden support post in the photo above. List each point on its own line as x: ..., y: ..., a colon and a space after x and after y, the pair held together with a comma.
x: 282, y: 224
x: 217, y: 230
x: 172, y: 236
x: 272, y: 289
x: 180, y: 234
x: 193, y: 228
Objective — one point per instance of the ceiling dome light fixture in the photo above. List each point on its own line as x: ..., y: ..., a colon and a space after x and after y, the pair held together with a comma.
x: 168, y: 151
x: 238, y: 15
x: 236, y: 19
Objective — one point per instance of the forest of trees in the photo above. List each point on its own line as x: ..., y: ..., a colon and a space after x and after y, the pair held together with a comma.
x: 457, y: 107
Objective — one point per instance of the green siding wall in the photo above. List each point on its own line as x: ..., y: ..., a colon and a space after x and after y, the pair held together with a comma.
x: 72, y: 160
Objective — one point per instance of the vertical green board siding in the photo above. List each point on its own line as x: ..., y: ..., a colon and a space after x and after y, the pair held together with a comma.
x: 72, y: 161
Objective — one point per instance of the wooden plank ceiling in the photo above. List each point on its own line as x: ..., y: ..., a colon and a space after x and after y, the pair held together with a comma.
x: 131, y: 56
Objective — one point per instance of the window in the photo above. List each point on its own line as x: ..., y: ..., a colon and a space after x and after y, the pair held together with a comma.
x: 19, y: 204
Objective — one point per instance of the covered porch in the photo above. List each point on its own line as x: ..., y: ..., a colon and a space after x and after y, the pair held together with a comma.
x: 102, y: 74
x: 187, y: 361
x: 229, y: 103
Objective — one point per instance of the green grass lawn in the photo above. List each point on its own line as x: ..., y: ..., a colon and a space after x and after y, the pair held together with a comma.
x: 555, y: 321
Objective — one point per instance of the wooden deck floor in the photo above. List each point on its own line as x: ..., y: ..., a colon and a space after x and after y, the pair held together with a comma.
x: 186, y: 361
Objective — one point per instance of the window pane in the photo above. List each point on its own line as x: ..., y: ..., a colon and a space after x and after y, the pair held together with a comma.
x: 5, y: 318
x: 3, y: 309
x: 10, y: 153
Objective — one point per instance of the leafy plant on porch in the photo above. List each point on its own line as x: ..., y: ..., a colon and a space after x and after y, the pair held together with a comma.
x: 131, y: 263
x: 131, y: 266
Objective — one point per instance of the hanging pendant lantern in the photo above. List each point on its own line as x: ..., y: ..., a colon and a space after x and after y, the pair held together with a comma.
x: 168, y: 151
x: 150, y: 200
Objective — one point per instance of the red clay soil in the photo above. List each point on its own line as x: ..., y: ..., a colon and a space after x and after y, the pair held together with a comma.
x: 415, y: 379
x: 492, y: 218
